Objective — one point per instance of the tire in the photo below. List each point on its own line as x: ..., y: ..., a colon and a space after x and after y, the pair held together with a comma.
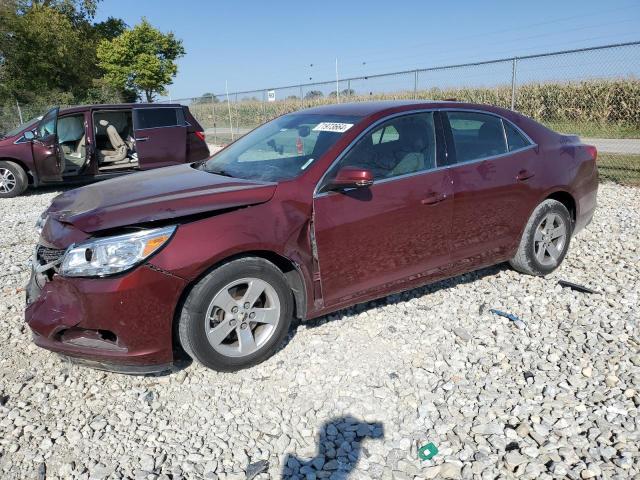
x: 539, y: 252
x: 13, y: 179
x: 228, y: 347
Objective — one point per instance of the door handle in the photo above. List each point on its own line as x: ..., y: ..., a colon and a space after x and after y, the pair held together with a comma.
x: 524, y: 175
x: 141, y: 139
x: 433, y: 198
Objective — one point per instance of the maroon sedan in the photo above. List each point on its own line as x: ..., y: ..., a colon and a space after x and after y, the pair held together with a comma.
x: 96, y: 142
x: 310, y: 213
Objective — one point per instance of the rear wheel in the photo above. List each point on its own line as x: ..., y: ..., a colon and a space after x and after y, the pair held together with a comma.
x: 545, y: 241
x: 13, y: 179
x: 236, y: 316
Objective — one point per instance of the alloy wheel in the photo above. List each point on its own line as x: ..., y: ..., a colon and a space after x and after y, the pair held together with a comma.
x: 550, y: 239
x: 242, y: 317
x: 7, y: 180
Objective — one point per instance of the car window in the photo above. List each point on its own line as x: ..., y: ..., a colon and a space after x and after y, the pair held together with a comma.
x: 476, y: 135
x: 285, y: 143
x: 515, y: 139
x: 281, y: 149
x: 400, y: 146
x: 158, y: 117
x: 48, y: 124
x: 385, y: 134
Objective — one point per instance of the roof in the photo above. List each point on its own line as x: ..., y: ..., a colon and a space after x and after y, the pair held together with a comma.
x: 365, y: 109
x: 82, y: 108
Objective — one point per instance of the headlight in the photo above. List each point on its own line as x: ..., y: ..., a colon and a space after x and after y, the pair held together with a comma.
x: 41, y: 221
x: 109, y: 255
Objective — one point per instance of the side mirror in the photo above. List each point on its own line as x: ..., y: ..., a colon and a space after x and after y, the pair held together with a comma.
x: 352, y: 177
x: 29, y: 135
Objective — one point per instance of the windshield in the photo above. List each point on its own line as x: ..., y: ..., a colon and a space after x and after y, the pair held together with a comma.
x: 281, y: 149
x: 24, y: 126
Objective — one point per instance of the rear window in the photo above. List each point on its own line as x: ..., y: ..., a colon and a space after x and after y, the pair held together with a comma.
x: 158, y: 117
x: 476, y: 135
x: 515, y: 139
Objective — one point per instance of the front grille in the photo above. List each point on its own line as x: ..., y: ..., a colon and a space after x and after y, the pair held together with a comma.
x: 47, y: 255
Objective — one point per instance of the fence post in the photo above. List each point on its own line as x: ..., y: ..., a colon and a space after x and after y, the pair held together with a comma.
x: 19, y: 112
x: 213, y: 113
x: 229, y: 108
x: 264, y: 106
x: 514, y: 66
x: 301, y: 98
x: 415, y: 84
x: 237, y: 117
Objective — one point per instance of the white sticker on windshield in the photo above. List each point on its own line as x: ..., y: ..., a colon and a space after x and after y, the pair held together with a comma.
x: 332, y: 127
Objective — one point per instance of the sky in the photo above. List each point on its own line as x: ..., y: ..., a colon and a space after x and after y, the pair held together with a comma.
x: 259, y: 45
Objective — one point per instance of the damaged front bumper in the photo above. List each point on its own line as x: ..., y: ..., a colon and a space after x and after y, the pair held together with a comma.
x: 122, y: 323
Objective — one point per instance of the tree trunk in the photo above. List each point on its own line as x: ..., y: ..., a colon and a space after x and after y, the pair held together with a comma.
x: 149, y: 95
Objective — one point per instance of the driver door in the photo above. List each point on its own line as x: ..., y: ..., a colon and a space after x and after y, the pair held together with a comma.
x: 47, y: 155
x: 382, y: 238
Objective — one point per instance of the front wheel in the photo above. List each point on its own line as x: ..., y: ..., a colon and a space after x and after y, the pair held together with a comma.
x: 13, y: 179
x: 545, y: 240
x: 237, y: 315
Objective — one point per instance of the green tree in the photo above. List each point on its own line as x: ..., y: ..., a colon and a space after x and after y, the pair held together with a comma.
x: 313, y: 94
x: 48, y: 53
x: 141, y: 59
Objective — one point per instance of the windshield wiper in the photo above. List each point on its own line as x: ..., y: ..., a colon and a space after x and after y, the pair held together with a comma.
x: 224, y: 173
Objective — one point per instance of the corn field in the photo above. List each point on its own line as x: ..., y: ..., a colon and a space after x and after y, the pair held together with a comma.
x: 609, y: 103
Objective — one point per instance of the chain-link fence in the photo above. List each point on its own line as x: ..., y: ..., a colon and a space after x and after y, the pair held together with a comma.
x: 592, y: 92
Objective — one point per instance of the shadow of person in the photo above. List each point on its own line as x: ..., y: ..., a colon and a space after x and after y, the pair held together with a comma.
x: 339, y: 449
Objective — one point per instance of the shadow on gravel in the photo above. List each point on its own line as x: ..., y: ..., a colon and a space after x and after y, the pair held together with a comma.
x: 338, y: 451
x: 406, y: 295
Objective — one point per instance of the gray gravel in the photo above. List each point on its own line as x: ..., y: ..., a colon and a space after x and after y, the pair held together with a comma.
x: 359, y: 392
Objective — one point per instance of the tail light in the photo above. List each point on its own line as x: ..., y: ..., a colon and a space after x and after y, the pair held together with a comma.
x: 593, y: 152
x: 200, y: 135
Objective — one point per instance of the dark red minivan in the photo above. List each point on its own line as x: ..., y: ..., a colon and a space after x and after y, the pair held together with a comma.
x: 312, y: 212
x: 96, y: 142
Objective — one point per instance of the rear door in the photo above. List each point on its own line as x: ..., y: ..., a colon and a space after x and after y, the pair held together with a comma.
x: 491, y: 164
x: 47, y: 154
x: 160, y: 136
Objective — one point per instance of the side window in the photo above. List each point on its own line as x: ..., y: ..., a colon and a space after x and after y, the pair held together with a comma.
x: 49, y: 123
x: 476, y: 135
x: 158, y: 117
x: 515, y: 139
x: 400, y: 146
x: 385, y: 134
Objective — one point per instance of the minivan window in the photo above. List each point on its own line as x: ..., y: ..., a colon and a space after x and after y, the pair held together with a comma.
x: 282, y: 148
x: 476, y: 135
x: 158, y: 117
x: 48, y: 124
x: 402, y: 145
x: 515, y: 139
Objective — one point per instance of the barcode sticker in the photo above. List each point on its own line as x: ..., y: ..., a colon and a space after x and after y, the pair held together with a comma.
x: 333, y: 127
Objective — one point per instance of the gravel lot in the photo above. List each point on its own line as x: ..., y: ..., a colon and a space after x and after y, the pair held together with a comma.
x: 358, y: 393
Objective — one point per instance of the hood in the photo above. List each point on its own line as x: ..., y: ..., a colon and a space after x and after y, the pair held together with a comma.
x: 158, y: 194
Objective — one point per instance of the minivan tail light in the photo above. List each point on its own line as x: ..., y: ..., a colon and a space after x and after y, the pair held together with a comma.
x: 593, y: 152
x: 200, y: 135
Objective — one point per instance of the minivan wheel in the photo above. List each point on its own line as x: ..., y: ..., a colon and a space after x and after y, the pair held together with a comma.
x: 237, y: 315
x: 545, y: 240
x: 13, y: 180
